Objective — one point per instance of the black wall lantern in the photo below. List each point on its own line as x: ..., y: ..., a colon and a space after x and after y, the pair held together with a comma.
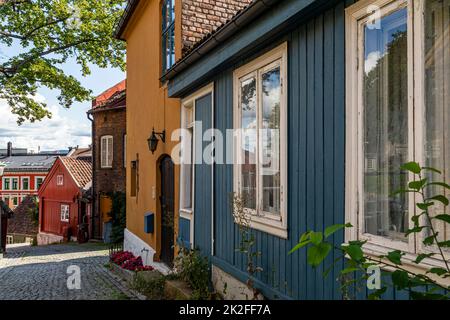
x: 153, y: 140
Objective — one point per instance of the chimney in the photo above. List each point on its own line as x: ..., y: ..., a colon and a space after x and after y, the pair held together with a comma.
x: 9, y: 149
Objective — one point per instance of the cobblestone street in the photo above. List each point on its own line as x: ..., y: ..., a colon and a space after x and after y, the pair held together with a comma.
x: 40, y: 273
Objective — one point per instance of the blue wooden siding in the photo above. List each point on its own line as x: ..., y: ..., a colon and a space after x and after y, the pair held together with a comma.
x: 184, y: 232
x: 203, y: 182
x: 316, y: 164
x: 316, y: 172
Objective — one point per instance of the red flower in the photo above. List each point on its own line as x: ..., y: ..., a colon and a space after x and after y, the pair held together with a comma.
x: 128, y: 261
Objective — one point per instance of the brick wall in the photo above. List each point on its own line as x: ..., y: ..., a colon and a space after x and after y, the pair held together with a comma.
x: 110, y: 122
x: 200, y: 17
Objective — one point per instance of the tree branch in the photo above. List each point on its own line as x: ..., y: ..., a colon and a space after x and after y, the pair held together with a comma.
x: 37, y: 55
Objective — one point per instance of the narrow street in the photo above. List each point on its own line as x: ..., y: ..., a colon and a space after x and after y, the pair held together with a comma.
x: 40, y: 273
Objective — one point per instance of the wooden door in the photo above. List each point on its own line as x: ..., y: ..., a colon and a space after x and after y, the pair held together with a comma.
x: 167, y: 210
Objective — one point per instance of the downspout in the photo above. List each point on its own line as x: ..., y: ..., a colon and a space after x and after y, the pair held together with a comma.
x: 93, y: 208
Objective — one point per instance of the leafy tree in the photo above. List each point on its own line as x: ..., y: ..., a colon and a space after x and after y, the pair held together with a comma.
x: 48, y: 33
x: 319, y: 245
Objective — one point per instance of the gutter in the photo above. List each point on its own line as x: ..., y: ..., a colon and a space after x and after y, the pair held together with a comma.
x: 218, y: 37
x: 123, y: 22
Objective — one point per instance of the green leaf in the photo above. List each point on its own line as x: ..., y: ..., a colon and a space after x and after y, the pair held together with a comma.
x: 445, y: 244
x: 377, y: 294
x: 417, y: 185
x: 400, y: 279
x: 395, y: 257
x: 349, y: 270
x: 299, y: 246
x: 443, y: 217
x: 438, y: 271
x: 401, y: 191
x: 424, y: 206
x: 429, y: 240
x: 414, y: 230
x: 333, y: 229
x: 413, y: 167
x: 304, y: 236
x: 316, y: 237
x: 354, y: 251
x: 431, y: 169
x: 440, y: 198
x: 439, y: 184
x: 318, y: 253
x: 423, y: 256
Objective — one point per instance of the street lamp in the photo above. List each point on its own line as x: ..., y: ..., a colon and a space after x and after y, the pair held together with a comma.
x: 2, y: 170
x: 153, y: 140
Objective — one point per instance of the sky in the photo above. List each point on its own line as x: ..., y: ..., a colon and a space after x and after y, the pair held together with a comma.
x: 68, y: 127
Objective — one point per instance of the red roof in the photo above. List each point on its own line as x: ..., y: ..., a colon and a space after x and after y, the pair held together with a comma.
x: 80, y: 170
x: 108, y: 94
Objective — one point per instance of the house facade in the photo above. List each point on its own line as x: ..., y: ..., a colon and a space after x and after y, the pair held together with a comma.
x: 108, y: 116
x: 23, y: 174
x: 157, y: 33
x: 65, y: 201
x: 325, y: 100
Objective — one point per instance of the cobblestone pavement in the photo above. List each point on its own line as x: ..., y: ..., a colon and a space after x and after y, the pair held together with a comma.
x: 40, y: 273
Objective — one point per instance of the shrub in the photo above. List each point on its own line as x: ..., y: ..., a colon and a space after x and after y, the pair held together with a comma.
x: 152, y: 288
x: 193, y: 268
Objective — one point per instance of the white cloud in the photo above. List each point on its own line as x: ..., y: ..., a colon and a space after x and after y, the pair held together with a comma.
x: 59, y: 132
x: 372, y: 61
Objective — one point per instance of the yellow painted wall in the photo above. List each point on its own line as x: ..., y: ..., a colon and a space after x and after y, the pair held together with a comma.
x: 148, y: 106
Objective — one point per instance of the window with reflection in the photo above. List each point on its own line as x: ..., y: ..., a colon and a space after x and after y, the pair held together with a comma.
x: 398, y: 111
x: 168, y: 34
x: 261, y: 147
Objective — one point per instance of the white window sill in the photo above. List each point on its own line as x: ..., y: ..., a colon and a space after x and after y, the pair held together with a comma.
x: 268, y: 225
x: 374, y: 250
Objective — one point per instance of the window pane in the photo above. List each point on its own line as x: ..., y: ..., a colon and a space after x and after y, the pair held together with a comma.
x: 249, y: 125
x: 187, y: 168
x: 270, y: 140
x: 437, y: 98
x: 386, y: 126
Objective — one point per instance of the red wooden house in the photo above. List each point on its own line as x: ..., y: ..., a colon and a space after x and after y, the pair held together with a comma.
x: 64, y: 200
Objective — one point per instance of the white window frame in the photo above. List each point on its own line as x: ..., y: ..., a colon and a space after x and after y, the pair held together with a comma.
x: 263, y: 221
x: 36, y: 181
x: 356, y: 16
x: 185, y: 213
x: 11, y: 183
x: 65, y: 213
x: 21, y: 183
x: 109, y: 154
x: 15, y: 205
x: 60, y: 180
x: 3, y: 183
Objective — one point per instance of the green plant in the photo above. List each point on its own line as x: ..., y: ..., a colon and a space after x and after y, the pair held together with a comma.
x: 118, y: 216
x: 46, y: 35
x: 357, y: 262
x: 152, y: 288
x: 247, y: 242
x: 33, y: 210
x: 193, y: 268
